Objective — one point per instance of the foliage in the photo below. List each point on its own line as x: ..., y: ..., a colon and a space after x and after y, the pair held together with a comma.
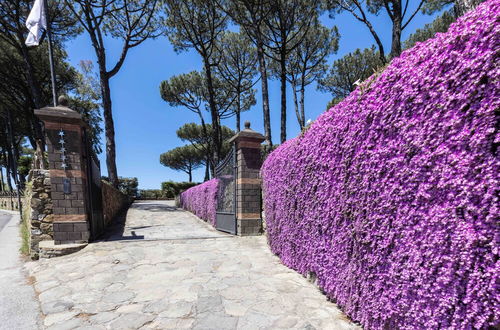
x: 128, y: 186
x: 347, y: 71
x: 190, y: 90
x: 433, y: 6
x: 16, y: 95
x: 186, y: 90
x: 440, y: 24
x: 199, y: 138
x: 25, y: 77
x: 186, y: 158
x: 251, y: 16
x: 86, y: 100
x: 307, y: 62
x: 198, y: 24
x: 151, y: 193
x: 24, y: 163
x: 286, y: 26
x: 237, y: 67
x: 171, y: 189
x: 202, y: 200
x: 396, y: 10
x: 391, y: 197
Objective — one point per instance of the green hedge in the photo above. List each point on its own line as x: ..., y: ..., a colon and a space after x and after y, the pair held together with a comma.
x: 170, y: 189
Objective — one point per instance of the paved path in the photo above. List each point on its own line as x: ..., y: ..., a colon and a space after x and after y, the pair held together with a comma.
x: 19, y: 308
x: 166, y: 269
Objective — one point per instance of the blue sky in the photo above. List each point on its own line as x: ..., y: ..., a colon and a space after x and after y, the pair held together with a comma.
x: 145, y: 125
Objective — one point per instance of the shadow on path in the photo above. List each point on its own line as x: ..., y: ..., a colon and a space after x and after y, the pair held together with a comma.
x: 116, y: 230
x: 153, y: 206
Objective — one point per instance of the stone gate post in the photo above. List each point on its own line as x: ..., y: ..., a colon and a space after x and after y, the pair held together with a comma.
x: 248, y: 183
x: 64, y: 131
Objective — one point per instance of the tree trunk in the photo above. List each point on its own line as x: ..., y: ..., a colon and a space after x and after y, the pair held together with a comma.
x: 8, y: 173
x: 2, y: 188
x: 396, y: 29
x: 238, y: 111
x: 7, y: 168
x: 213, y: 111
x: 12, y: 151
x: 209, y: 148
x: 302, y: 99
x: 190, y: 175
x: 10, y: 169
x: 283, y: 93
x: 296, y: 104
x: 207, y: 170
x: 265, y: 92
x: 377, y: 39
x: 109, y: 126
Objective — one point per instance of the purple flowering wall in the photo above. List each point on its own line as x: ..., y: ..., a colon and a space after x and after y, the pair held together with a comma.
x: 202, y: 200
x: 392, y: 197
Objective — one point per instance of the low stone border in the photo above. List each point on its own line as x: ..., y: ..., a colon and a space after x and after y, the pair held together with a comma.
x: 48, y: 249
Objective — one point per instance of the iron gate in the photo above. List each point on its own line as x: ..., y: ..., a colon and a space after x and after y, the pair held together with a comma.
x: 226, y: 195
x: 94, y: 191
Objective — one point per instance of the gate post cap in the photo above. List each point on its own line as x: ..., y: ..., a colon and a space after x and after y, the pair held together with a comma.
x: 248, y: 134
x: 62, y: 100
x: 61, y: 113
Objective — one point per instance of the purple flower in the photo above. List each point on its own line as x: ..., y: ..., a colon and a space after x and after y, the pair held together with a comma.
x: 392, y: 196
x: 202, y: 200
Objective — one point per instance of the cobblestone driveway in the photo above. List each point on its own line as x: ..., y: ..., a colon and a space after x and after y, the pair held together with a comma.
x: 166, y: 269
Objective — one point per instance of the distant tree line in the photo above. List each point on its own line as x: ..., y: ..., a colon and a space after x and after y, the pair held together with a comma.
x: 197, y: 153
x: 169, y: 190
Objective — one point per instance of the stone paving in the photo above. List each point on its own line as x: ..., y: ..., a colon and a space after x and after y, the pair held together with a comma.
x: 19, y: 308
x: 167, y: 269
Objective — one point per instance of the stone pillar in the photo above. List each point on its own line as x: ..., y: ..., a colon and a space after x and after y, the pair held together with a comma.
x: 64, y: 131
x: 248, y: 183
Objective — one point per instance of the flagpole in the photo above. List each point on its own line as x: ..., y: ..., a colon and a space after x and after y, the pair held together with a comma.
x: 51, y: 54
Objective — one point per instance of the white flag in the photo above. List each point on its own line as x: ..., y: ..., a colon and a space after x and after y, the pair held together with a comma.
x: 36, y: 23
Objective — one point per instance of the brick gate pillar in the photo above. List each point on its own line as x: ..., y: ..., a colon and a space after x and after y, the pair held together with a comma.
x: 248, y: 183
x: 64, y: 131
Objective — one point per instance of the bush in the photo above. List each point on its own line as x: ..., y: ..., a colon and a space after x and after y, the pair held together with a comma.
x: 202, y: 200
x: 171, y: 189
x: 151, y: 194
x: 391, y: 197
x: 128, y: 186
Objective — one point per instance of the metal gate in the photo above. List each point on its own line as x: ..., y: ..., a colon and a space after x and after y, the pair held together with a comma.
x: 94, y: 191
x: 226, y: 195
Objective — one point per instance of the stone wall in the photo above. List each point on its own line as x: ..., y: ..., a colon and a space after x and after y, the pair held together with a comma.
x: 113, y: 202
x: 9, y: 201
x: 38, y: 209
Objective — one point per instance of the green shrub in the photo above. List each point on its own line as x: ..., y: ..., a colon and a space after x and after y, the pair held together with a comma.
x: 171, y: 189
x: 151, y: 193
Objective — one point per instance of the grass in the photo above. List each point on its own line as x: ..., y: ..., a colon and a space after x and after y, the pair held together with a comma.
x: 25, y: 222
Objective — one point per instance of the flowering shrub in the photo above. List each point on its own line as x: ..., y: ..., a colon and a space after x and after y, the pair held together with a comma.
x: 392, y: 197
x: 201, y: 200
